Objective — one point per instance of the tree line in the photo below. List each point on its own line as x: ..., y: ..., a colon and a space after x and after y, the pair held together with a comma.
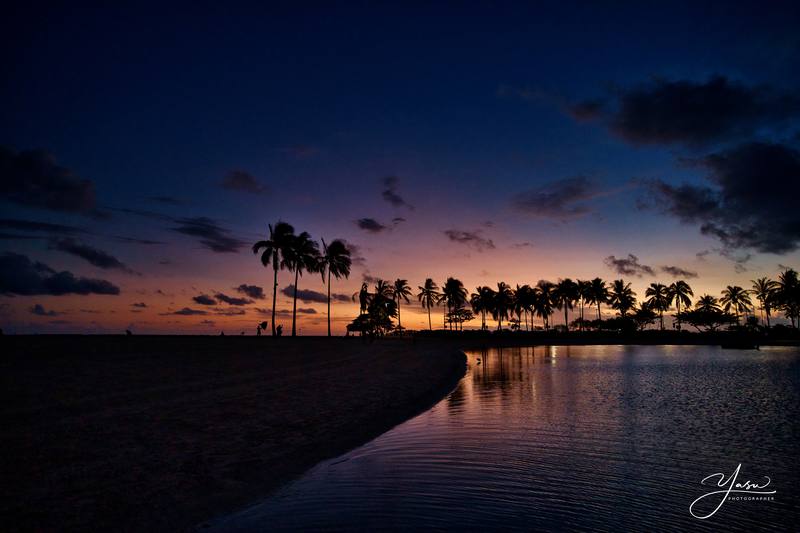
x: 519, y: 306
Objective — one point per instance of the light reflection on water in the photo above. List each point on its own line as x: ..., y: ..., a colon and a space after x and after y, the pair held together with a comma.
x: 608, y: 438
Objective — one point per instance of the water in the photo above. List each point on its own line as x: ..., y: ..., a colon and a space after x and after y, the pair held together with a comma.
x: 604, y: 438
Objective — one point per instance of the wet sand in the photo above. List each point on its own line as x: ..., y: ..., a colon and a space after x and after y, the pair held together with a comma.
x: 168, y: 432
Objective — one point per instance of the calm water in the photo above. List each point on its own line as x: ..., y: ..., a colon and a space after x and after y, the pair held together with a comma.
x: 609, y: 438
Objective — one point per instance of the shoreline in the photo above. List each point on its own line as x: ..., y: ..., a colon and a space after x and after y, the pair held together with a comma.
x: 171, y: 433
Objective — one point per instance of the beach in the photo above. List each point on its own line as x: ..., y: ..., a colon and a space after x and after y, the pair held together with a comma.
x: 135, y: 433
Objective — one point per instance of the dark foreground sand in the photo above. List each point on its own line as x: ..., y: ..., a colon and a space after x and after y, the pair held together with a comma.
x: 167, y: 432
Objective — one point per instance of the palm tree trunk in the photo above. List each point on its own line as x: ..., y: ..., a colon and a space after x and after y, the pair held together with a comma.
x: 399, y: 324
x: 294, y: 303
x: 678, y: 316
x: 329, y: 302
x: 566, y: 318
x: 274, y: 296
x: 430, y: 325
x: 598, y: 310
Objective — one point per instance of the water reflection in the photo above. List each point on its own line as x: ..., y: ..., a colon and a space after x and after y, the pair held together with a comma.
x: 557, y: 437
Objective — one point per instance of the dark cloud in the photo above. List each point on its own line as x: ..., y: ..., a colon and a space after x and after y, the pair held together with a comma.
x: 204, y: 299
x: 560, y: 199
x: 586, y: 110
x: 39, y: 310
x: 307, y: 310
x: 224, y: 298
x: 167, y: 200
x: 678, y: 272
x: 19, y: 275
x: 628, y: 266
x: 519, y: 245
x: 186, y: 311
x: 309, y: 296
x: 32, y: 178
x: 134, y: 240
x: 226, y: 311
x: 752, y: 200
x: 139, y: 304
x: 356, y: 256
x: 300, y: 151
x: 371, y: 225
x: 144, y: 213
x: 211, y: 235
x: 43, y: 227
x: 93, y: 256
x: 391, y: 195
x: 252, y: 291
x: 694, y: 113
x: 239, y: 180
x: 701, y: 256
x: 475, y: 239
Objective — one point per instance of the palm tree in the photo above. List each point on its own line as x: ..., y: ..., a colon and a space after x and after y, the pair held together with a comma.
x: 622, y: 298
x: 523, y: 302
x: 401, y: 290
x: 707, y: 304
x: 280, y: 240
x: 764, y: 290
x: 428, y: 296
x: 679, y: 292
x: 302, y: 254
x: 503, y: 301
x: 597, y: 294
x: 482, y: 301
x: 584, y: 288
x: 658, y: 299
x: 543, y: 302
x: 787, y: 295
x: 454, y: 294
x: 737, y: 298
x: 564, y: 296
x: 335, y: 261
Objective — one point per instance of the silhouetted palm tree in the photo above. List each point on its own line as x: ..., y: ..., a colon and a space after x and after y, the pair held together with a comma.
x: 428, y: 295
x: 707, y: 304
x: 679, y: 293
x: 401, y: 290
x: 280, y: 240
x: 584, y: 289
x: 597, y: 294
x: 564, y: 296
x: 301, y: 255
x: 787, y: 295
x: 622, y: 298
x: 523, y: 302
x: 658, y: 299
x: 454, y: 294
x: 737, y: 298
x: 335, y: 261
x: 543, y: 301
x: 503, y: 301
x: 482, y: 301
x: 764, y: 290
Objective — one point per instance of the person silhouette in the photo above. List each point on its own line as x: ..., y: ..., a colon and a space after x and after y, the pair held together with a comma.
x: 279, y: 330
x: 258, y: 330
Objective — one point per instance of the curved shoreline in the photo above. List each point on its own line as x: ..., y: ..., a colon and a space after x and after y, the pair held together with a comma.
x: 143, y: 433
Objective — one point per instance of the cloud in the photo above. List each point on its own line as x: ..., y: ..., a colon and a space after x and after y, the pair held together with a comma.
x: 186, y: 311
x: 628, y: 266
x: 19, y: 275
x: 693, y: 113
x: 309, y: 296
x: 701, y: 256
x: 558, y: 199
x: 239, y: 180
x: 356, y: 256
x: 93, y: 256
x: 32, y: 178
x: 678, y: 272
x: 139, y: 304
x: 232, y: 300
x: 252, y: 291
x: 210, y: 234
x: 391, y: 195
x: 520, y: 245
x: 470, y: 238
x: 39, y: 310
x: 134, y: 240
x: 751, y: 201
x: 300, y: 151
x: 223, y: 311
x: 586, y: 110
x: 167, y: 200
x: 371, y: 225
x: 44, y: 227
x: 204, y: 299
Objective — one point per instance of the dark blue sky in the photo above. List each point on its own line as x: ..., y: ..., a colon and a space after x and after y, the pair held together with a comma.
x: 469, y: 108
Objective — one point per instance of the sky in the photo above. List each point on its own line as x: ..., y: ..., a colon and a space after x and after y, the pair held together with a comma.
x: 144, y: 149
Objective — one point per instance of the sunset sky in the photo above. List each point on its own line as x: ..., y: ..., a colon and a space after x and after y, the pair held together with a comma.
x: 143, y: 151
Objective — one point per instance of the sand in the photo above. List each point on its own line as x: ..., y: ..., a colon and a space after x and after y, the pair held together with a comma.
x: 169, y: 432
